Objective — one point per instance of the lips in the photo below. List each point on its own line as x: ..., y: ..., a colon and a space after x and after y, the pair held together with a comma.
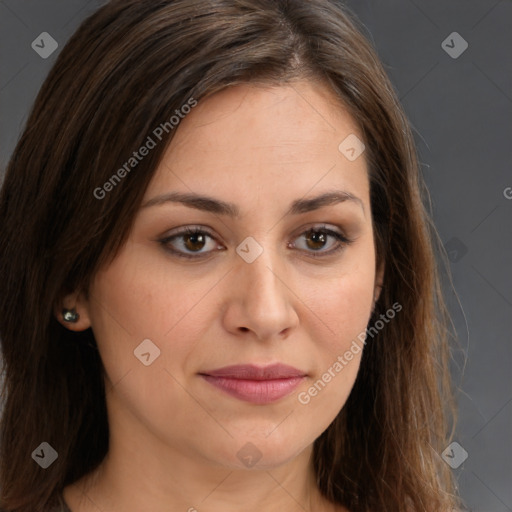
x: 259, y: 385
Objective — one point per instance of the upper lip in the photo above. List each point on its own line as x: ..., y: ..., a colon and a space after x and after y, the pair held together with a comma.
x: 253, y: 372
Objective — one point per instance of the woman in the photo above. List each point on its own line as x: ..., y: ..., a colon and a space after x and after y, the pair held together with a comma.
x: 219, y: 288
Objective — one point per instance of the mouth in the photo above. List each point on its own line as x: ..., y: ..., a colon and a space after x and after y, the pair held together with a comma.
x: 258, y: 385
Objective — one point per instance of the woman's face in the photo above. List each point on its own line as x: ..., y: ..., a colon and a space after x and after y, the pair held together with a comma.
x: 253, y: 289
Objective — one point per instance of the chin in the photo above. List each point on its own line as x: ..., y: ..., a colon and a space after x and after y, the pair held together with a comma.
x: 254, y: 453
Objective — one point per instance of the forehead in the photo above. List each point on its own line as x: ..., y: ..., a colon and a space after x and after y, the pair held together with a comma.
x: 278, y: 140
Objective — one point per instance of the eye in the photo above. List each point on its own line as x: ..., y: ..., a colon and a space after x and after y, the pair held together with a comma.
x: 317, y: 238
x: 192, y: 239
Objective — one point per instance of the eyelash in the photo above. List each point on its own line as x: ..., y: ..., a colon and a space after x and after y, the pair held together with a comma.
x: 343, y: 241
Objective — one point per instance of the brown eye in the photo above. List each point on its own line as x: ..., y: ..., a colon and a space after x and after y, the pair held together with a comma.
x: 191, y: 242
x: 318, y: 238
x: 194, y: 241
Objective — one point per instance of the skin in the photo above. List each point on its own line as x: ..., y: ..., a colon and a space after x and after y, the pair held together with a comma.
x: 175, y: 437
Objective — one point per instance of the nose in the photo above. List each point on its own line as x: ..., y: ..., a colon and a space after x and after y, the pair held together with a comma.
x: 260, y: 300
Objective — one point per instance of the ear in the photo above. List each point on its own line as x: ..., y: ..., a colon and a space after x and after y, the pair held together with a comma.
x: 77, y: 302
x: 379, y: 282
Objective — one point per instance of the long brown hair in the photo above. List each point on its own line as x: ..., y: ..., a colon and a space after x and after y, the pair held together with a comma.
x: 124, y: 72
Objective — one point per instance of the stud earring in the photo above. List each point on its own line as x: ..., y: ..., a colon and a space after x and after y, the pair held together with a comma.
x: 70, y: 315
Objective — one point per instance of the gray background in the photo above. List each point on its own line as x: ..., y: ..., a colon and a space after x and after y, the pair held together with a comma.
x: 461, y: 113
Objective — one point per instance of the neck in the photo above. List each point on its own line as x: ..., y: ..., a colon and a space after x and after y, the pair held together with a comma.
x: 129, y: 488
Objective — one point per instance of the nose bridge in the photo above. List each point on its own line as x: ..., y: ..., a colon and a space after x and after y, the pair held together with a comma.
x: 259, y: 272
x: 261, y: 290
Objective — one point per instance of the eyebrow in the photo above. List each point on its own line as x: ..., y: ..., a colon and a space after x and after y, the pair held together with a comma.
x: 216, y: 206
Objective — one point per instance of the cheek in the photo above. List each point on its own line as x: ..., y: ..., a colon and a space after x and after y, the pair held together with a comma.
x: 344, y: 308
x: 131, y: 305
x: 134, y: 297
x: 137, y: 300
x: 344, y: 305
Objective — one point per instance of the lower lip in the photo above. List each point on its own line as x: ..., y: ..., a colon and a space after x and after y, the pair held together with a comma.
x: 255, y: 391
